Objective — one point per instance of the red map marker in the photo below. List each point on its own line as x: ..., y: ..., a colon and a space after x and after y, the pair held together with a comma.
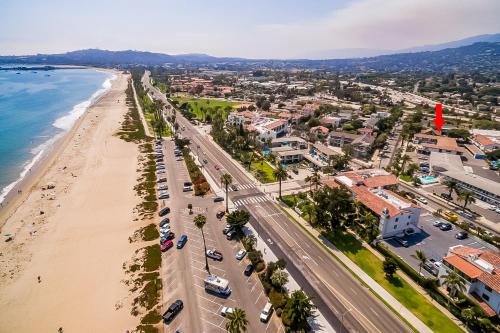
x: 439, y: 121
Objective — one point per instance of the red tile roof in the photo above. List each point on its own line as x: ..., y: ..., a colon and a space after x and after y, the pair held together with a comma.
x: 484, y: 305
x: 323, y: 129
x: 381, y: 181
x: 464, y: 266
x: 373, y: 201
x: 483, y: 140
x: 275, y: 124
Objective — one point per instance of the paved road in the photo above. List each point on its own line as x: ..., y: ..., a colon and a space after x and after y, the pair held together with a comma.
x: 183, y: 271
x: 338, y: 295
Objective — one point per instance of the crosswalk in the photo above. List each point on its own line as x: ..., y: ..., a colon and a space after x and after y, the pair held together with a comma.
x: 243, y: 187
x: 251, y: 200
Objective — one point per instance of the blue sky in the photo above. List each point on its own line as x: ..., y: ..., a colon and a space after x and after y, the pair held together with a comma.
x: 247, y: 28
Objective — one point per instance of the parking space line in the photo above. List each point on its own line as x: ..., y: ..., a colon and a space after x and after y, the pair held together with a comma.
x: 222, y: 329
x: 261, y: 292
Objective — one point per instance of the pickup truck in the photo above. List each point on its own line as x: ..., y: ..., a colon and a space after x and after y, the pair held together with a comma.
x: 172, y: 311
x: 214, y: 254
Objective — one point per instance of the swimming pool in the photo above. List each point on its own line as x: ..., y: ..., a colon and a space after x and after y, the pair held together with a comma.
x: 429, y: 180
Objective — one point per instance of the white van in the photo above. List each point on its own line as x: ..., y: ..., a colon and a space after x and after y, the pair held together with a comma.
x: 266, y: 312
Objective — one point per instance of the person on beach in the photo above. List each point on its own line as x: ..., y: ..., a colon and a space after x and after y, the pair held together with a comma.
x: 39, y: 279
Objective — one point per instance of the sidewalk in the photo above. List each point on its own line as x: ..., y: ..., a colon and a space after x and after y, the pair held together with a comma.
x: 141, y: 114
x: 372, y: 284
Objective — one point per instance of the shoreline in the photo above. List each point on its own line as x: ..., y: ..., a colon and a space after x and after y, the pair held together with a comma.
x: 24, y: 185
x: 75, y: 237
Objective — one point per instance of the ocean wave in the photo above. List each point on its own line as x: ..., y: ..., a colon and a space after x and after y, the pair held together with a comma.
x: 67, y: 121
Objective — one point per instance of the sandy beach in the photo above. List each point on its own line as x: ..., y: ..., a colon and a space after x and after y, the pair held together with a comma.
x: 74, y: 236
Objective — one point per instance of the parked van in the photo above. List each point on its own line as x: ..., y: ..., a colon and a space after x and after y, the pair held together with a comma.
x: 266, y: 312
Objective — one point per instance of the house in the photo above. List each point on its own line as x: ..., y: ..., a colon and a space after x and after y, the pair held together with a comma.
x: 482, y: 188
x: 320, y: 154
x: 288, y: 155
x: 361, y: 143
x: 339, y: 139
x: 366, y: 131
x: 330, y: 120
x: 269, y: 128
x: 320, y: 131
x: 396, y: 214
x: 290, y: 141
x: 241, y: 118
x: 479, y: 270
x: 485, y: 143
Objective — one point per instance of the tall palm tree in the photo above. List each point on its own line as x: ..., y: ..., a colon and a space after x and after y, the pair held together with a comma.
x: 308, y: 180
x: 422, y: 258
x: 237, y: 321
x: 246, y: 159
x: 199, y: 221
x: 280, y: 174
x: 454, y: 283
x: 466, y: 197
x: 405, y: 159
x: 315, y: 179
x: 451, y: 185
x: 226, y: 180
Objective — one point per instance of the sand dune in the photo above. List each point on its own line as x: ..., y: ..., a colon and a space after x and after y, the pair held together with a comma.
x: 75, y: 236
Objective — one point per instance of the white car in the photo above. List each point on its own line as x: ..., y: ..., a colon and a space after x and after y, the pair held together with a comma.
x: 163, y: 195
x: 178, y: 158
x: 422, y: 200
x: 241, y: 254
x: 162, y: 187
x: 266, y: 312
x: 226, y: 310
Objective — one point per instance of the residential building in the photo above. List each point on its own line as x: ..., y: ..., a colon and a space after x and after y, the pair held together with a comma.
x: 442, y: 162
x: 441, y: 144
x: 396, y: 214
x: 339, y: 139
x: 485, y: 143
x: 269, y: 128
x: 291, y: 141
x: 320, y: 154
x: 361, y: 143
x: 482, y: 188
x: 479, y: 270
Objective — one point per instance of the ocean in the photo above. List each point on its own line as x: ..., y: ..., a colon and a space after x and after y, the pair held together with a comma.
x: 37, y: 108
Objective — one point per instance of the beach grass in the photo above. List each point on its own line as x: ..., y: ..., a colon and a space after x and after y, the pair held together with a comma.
x: 200, y: 107
x: 396, y: 286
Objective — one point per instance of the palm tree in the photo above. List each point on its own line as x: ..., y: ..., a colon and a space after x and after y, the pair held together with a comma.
x: 405, y: 159
x: 237, y: 321
x: 308, y: 180
x: 226, y: 180
x: 280, y: 174
x: 298, y: 309
x: 454, y: 283
x: 246, y: 159
x: 315, y: 179
x: 412, y: 168
x: 279, y: 278
x: 199, y: 221
x: 422, y: 258
x: 466, y: 197
x: 451, y: 185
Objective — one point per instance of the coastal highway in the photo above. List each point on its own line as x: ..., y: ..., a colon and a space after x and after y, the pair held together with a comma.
x: 341, y: 298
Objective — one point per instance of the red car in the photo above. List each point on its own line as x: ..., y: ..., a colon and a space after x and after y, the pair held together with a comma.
x: 167, y: 245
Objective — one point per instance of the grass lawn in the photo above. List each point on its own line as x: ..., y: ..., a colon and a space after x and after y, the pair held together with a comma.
x: 397, y: 287
x: 166, y: 131
x: 290, y: 200
x: 266, y: 170
x: 206, y: 104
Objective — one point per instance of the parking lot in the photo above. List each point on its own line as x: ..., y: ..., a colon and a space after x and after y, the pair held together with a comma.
x: 183, y: 270
x: 432, y: 241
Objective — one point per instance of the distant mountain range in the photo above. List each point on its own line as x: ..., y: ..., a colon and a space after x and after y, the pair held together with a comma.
x: 481, y: 56
x: 364, y: 52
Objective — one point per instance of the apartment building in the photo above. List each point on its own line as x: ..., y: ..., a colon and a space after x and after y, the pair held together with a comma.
x: 432, y: 143
x: 479, y: 270
x: 482, y: 188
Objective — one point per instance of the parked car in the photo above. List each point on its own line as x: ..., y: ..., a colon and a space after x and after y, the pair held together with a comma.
x: 162, y: 187
x: 266, y: 312
x: 164, y: 211
x: 160, y: 172
x: 226, y: 310
x: 466, y: 214
x: 163, y: 195
x: 160, y: 167
x: 164, y: 222
x: 218, y: 199
x: 429, y: 267
x: 227, y: 229
x: 214, y: 254
x: 164, y: 238
x: 402, y: 241
x: 241, y: 254
x: 445, y: 226
x: 461, y: 235
x: 182, y: 241
x: 220, y: 214
x: 230, y: 235
x: 161, y: 180
x: 178, y: 158
x: 186, y: 188
x: 446, y: 196
x: 166, y: 245
x: 437, y: 223
x: 450, y: 216
x: 172, y: 311
x: 422, y: 200
x: 248, y: 270
x: 205, y: 161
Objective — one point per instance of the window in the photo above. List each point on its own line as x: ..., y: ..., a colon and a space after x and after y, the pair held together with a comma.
x: 487, y: 288
x: 397, y: 219
x: 395, y: 226
x: 485, y: 297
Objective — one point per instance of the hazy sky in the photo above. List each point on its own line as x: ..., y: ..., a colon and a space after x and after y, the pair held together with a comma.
x: 246, y: 28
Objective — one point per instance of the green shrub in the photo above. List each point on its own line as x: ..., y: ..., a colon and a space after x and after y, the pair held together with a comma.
x: 260, y: 266
x: 278, y: 312
x: 255, y: 257
x: 277, y: 299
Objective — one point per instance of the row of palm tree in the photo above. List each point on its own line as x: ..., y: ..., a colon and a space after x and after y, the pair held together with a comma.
x: 462, y: 195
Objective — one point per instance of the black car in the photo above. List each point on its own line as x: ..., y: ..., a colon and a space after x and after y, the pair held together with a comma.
x: 220, y: 214
x: 164, y: 211
x: 164, y: 222
x: 172, y: 311
x: 230, y: 235
x: 248, y: 270
x: 446, y: 196
x: 218, y: 199
x: 188, y: 184
x: 461, y: 235
x: 171, y: 235
x: 445, y: 226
